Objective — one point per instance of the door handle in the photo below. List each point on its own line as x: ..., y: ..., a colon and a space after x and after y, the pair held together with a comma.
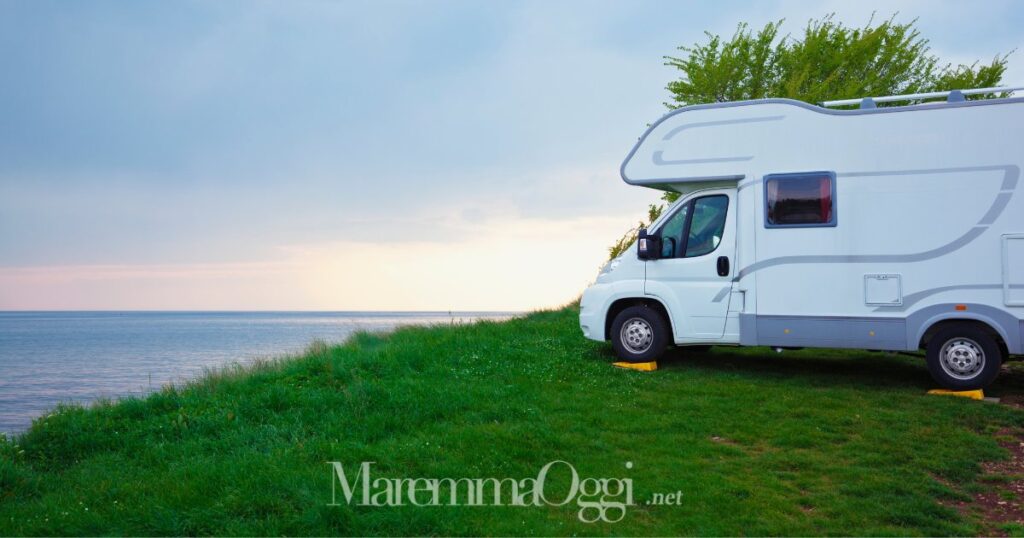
x: 723, y: 266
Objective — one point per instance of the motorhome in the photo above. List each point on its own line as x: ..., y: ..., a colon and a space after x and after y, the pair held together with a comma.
x: 895, y: 228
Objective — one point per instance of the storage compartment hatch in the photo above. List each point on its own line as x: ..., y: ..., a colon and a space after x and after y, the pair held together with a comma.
x: 883, y: 290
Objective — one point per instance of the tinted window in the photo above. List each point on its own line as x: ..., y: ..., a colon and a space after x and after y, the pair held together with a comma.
x: 800, y: 199
x: 673, y: 229
x: 695, y: 228
x: 707, y: 225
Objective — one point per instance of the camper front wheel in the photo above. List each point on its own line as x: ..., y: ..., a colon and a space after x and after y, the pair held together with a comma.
x: 963, y: 357
x: 639, y: 334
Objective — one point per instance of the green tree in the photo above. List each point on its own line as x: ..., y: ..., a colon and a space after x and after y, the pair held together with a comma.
x: 827, y: 61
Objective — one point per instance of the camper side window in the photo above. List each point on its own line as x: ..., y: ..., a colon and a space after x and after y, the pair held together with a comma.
x: 707, y: 225
x: 800, y: 200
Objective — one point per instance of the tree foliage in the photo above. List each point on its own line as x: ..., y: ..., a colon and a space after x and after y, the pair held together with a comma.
x: 828, y: 60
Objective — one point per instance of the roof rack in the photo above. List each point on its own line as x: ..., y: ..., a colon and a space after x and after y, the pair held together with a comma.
x: 951, y: 96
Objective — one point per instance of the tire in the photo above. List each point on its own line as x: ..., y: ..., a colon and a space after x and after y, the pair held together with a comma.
x: 963, y: 357
x: 639, y: 334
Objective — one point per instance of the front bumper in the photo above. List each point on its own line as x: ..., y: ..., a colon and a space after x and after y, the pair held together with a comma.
x: 592, y: 313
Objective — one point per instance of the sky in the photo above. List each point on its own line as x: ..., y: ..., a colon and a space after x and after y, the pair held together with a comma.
x: 443, y: 155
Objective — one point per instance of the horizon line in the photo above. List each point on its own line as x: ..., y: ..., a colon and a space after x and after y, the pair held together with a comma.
x: 135, y: 311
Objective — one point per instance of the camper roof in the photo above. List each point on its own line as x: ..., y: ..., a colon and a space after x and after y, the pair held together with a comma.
x: 697, y: 146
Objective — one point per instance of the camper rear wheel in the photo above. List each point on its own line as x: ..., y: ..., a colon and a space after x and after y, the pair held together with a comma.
x: 639, y: 334
x: 962, y: 356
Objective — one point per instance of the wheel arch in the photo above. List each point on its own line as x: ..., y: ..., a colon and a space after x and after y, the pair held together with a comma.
x: 980, y: 323
x: 623, y: 303
x: 1004, y: 326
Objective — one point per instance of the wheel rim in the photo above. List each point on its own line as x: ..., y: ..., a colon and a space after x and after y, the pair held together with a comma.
x: 636, y: 335
x: 962, y: 358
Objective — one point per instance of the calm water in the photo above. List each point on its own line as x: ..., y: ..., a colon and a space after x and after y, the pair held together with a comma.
x: 52, y: 357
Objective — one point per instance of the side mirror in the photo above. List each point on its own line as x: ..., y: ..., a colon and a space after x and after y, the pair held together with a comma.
x: 648, y: 246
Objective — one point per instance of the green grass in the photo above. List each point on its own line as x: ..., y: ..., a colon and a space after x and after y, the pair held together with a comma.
x: 802, y: 443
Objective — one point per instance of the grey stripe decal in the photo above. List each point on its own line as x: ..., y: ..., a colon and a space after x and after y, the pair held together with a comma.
x: 1010, y: 181
x: 669, y: 135
x: 1012, y: 173
x: 912, y: 298
x: 730, y: 177
x: 1010, y: 169
x: 656, y: 158
x: 996, y: 209
x: 957, y: 244
x: 721, y: 294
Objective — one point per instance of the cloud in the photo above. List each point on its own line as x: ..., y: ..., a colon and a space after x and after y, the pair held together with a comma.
x: 148, y: 148
x: 515, y: 264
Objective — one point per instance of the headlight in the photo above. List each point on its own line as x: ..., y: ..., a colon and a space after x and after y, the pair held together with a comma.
x: 610, y: 266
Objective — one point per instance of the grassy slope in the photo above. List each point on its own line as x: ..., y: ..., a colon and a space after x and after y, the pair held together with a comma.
x: 803, y: 443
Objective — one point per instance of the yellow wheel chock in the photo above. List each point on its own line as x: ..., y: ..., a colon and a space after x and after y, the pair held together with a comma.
x: 972, y: 394
x: 641, y: 366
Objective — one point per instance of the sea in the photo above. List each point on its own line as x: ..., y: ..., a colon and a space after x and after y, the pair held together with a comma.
x: 51, y: 357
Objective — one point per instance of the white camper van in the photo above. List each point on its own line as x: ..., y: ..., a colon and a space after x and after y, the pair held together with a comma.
x: 898, y: 228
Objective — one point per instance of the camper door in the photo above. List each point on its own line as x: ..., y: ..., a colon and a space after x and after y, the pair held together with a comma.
x: 693, y: 276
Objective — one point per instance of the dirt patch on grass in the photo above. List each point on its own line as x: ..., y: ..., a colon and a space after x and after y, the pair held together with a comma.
x: 1002, y: 502
x: 1013, y: 400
